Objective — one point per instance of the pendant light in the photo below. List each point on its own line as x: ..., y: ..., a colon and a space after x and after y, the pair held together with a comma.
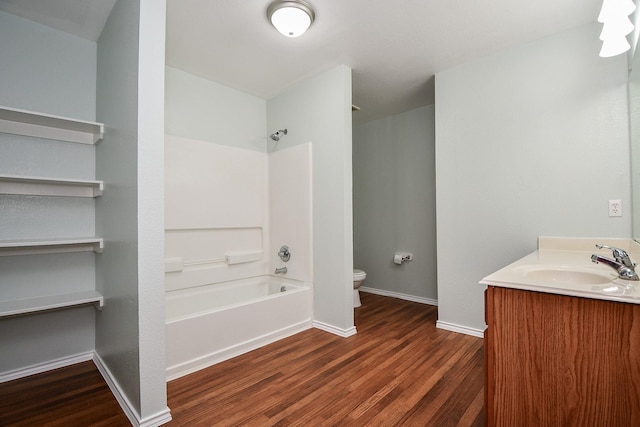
x: 291, y: 18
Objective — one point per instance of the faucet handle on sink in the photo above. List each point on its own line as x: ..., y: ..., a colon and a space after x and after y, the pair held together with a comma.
x: 619, y: 254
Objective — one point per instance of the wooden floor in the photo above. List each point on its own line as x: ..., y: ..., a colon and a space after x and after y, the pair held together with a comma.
x: 398, y: 370
x: 72, y: 396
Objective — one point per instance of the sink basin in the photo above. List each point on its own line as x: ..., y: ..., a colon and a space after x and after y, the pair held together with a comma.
x: 561, y: 275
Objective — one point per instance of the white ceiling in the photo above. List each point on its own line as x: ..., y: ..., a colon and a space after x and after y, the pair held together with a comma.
x: 393, y: 47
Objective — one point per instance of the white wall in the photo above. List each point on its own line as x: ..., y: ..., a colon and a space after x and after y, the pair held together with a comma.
x: 208, y: 111
x: 394, y: 203
x: 150, y: 154
x: 530, y: 141
x: 51, y: 72
x: 318, y: 110
x: 130, y: 329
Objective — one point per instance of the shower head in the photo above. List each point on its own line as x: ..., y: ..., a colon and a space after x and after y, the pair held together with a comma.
x: 276, y: 136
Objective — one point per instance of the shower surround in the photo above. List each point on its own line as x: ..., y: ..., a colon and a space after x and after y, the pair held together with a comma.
x: 227, y: 212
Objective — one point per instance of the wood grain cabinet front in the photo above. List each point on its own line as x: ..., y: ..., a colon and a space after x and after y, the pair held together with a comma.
x: 555, y: 360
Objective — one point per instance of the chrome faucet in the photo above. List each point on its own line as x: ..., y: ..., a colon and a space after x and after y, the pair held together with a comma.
x: 622, y: 263
x: 282, y: 270
x: 284, y: 254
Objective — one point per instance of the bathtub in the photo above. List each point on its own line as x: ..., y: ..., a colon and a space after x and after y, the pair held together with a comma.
x: 209, y: 324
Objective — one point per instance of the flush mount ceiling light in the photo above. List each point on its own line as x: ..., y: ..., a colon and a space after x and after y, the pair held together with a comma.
x: 291, y: 18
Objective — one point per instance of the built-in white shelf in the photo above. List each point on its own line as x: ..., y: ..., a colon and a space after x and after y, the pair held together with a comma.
x: 50, y: 246
x: 50, y: 302
x: 41, y: 186
x: 30, y: 123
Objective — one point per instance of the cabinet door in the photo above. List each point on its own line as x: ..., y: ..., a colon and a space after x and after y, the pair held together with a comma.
x: 561, y: 361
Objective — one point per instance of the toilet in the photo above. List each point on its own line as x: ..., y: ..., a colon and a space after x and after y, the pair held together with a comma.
x: 358, y: 278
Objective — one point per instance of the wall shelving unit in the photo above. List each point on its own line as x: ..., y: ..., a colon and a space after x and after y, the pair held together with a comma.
x: 39, y: 125
x: 34, y: 124
x: 50, y: 246
x: 50, y: 302
x: 42, y: 186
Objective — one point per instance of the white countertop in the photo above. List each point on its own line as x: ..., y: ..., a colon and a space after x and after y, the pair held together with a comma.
x: 574, y: 274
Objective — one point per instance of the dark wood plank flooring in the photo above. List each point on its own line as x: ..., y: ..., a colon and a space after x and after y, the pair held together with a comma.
x: 73, y: 396
x: 398, y: 370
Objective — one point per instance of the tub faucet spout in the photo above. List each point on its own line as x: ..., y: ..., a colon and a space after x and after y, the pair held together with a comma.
x: 282, y: 270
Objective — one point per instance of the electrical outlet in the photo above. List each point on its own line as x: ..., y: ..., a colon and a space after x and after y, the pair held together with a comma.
x: 615, y: 207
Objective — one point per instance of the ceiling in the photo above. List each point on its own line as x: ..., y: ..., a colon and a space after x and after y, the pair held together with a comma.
x: 394, y: 48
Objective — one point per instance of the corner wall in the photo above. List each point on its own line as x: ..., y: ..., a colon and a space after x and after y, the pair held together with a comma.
x: 530, y: 141
x: 394, y: 203
x: 130, y: 333
x: 117, y: 328
x: 318, y: 111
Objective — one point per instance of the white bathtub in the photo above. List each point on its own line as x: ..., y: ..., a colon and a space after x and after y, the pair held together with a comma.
x: 212, y: 323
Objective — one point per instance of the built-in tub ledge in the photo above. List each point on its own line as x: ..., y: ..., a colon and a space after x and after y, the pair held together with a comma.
x: 177, y: 264
x: 564, y: 266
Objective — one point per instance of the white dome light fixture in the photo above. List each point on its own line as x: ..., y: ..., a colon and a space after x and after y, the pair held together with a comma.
x: 291, y: 18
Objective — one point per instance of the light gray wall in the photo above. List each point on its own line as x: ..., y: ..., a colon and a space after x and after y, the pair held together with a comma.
x: 46, y: 70
x: 318, y: 110
x: 530, y: 141
x: 208, y: 111
x: 130, y: 330
x: 394, y: 202
x: 51, y: 72
x: 117, y: 326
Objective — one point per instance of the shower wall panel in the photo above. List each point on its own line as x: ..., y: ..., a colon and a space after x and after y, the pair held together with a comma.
x: 216, y: 211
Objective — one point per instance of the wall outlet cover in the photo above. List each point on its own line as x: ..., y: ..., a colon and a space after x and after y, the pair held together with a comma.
x: 615, y: 208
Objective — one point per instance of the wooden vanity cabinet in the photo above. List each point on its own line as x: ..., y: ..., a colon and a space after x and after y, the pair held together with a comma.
x: 555, y: 360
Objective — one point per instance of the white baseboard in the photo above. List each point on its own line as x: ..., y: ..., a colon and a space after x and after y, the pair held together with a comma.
x: 399, y: 295
x: 344, y: 333
x: 460, y: 329
x: 152, y: 421
x: 44, y: 367
x: 156, y: 420
x: 191, y: 366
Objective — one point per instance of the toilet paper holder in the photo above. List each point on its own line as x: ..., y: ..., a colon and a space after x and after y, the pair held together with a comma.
x: 400, y: 257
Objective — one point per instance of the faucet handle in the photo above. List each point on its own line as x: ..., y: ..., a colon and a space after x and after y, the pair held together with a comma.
x: 285, y: 253
x: 619, y: 254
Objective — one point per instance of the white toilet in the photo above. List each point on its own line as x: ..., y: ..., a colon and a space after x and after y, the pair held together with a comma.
x: 358, y: 278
